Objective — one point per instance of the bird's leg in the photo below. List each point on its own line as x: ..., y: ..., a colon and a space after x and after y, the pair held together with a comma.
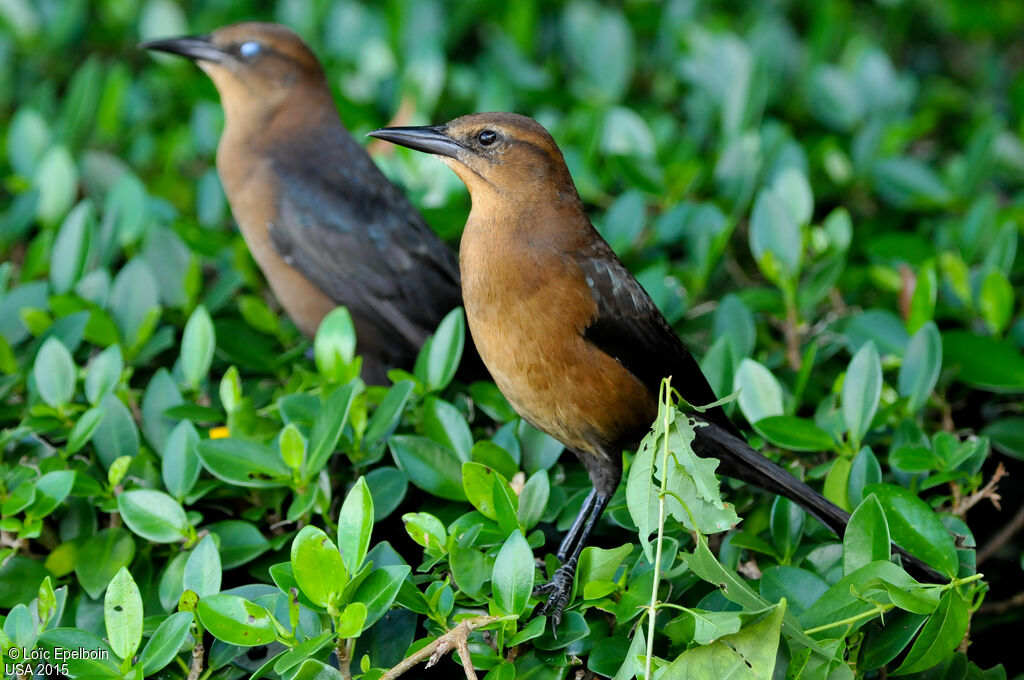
x: 573, y: 534
x: 559, y: 588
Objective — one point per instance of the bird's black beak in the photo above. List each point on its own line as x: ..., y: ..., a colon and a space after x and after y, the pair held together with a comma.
x: 195, y: 47
x: 428, y: 138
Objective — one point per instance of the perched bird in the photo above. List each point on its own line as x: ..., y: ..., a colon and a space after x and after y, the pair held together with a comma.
x: 569, y: 335
x: 324, y: 225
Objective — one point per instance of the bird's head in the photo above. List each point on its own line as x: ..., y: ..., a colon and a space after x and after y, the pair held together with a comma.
x: 497, y: 154
x: 252, y: 64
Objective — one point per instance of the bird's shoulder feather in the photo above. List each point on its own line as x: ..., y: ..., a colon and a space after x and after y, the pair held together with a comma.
x: 629, y: 327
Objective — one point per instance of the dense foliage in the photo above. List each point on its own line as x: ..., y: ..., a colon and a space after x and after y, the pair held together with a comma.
x: 824, y: 197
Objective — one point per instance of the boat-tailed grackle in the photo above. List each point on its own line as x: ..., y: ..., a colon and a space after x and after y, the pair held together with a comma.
x: 569, y: 335
x: 324, y: 225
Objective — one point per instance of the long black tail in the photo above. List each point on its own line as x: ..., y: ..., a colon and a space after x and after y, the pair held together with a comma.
x: 740, y: 461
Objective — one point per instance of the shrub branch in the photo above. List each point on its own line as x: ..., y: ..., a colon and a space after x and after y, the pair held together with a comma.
x: 457, y: 638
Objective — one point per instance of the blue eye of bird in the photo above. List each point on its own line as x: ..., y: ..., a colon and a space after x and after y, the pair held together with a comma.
x: 249, y: 49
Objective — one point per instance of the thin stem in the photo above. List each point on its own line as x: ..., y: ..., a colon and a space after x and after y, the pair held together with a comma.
x: 344, y: 649
x: 652, y: 610
x: 882, y: 608
x: 791, y: 329
x: 879, y: 609
x: 1004, y: 535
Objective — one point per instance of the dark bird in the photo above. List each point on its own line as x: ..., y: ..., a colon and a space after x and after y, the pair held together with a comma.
x: 323, y: 223
x: 569, y: 335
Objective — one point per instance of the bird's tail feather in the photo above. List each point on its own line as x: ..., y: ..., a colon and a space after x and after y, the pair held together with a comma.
x: 740, y: 461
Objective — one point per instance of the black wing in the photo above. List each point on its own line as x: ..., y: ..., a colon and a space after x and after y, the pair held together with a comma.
x: 352, y: 233
x: 631, y: 328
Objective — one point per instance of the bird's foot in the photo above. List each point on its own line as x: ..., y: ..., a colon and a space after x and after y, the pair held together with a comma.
x: 558, y: 590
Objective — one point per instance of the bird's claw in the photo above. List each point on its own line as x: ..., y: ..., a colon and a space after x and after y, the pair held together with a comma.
x: 558, y: 590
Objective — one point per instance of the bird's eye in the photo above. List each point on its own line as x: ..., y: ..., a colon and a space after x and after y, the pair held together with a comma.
x: 487, y: 137
x: 249, y: 49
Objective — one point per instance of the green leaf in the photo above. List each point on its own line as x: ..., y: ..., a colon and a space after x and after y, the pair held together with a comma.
x: 883, y: 644
x: 328, y: 426
x: 388, y: 485
x: 995, y: 301
x: 197, y: 345
x: 734, y: 322
x: 446, y: 425
x: 1007, y: 435
x: 244, y: 463
x: 240, y: 542
x: 389, y: 412
x: 867, y: 536
x: 748, y: 654
x: 862, y: 388
x: 334, y: 346
x: 317, y: 565
x: 942, y: 633
x: 71, y: 248
x: 166, y: 643
x: 430, y: 466
x: 56, y: 179
x: 122, y: 614
x: 180, y: 464
x: 85, y: 427
x: 702, y: 627
x: 117, y: 434
x: 862, y: 471
x: 161, y: 395
x: 103, y: 373
x: 426, y: 530
x: 478, y: 484
x: 230, y: 390
x: 55, y: 373
x: 235, y: 620
x: 921, y: 366
x: 349, y: 623
x: 311, y: 669
x: 795, y: 434
x: 379, y: 590
x: 908, y: 183
x: 760, y: 393
x: 50, y: 491
x: 134, y: 302
x: 293, y: 447
x: 914, y: 526
x: 101, y: 557
x: 774, y: 230
x: 600, y: 564
x: 512, y: 578
x: 787, y: 526
x: 96, y: 660
x: 985, y: 363
x: 470, y: 570
x: 444, y: 351
x: 800, y: 587
x: 153, y: 515
x: 846, y: 598
x: 922, y: 303
x: 20, y: 628
x: 203, y: 569
x: 533, y: 499
x: 792, y: 188
x: 355, y: 522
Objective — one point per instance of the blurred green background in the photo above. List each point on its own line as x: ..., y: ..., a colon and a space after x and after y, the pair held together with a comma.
x: 891, y: 129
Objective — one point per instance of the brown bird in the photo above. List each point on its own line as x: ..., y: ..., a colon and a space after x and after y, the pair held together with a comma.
x: 324, y: 225
x: 569, y: 335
